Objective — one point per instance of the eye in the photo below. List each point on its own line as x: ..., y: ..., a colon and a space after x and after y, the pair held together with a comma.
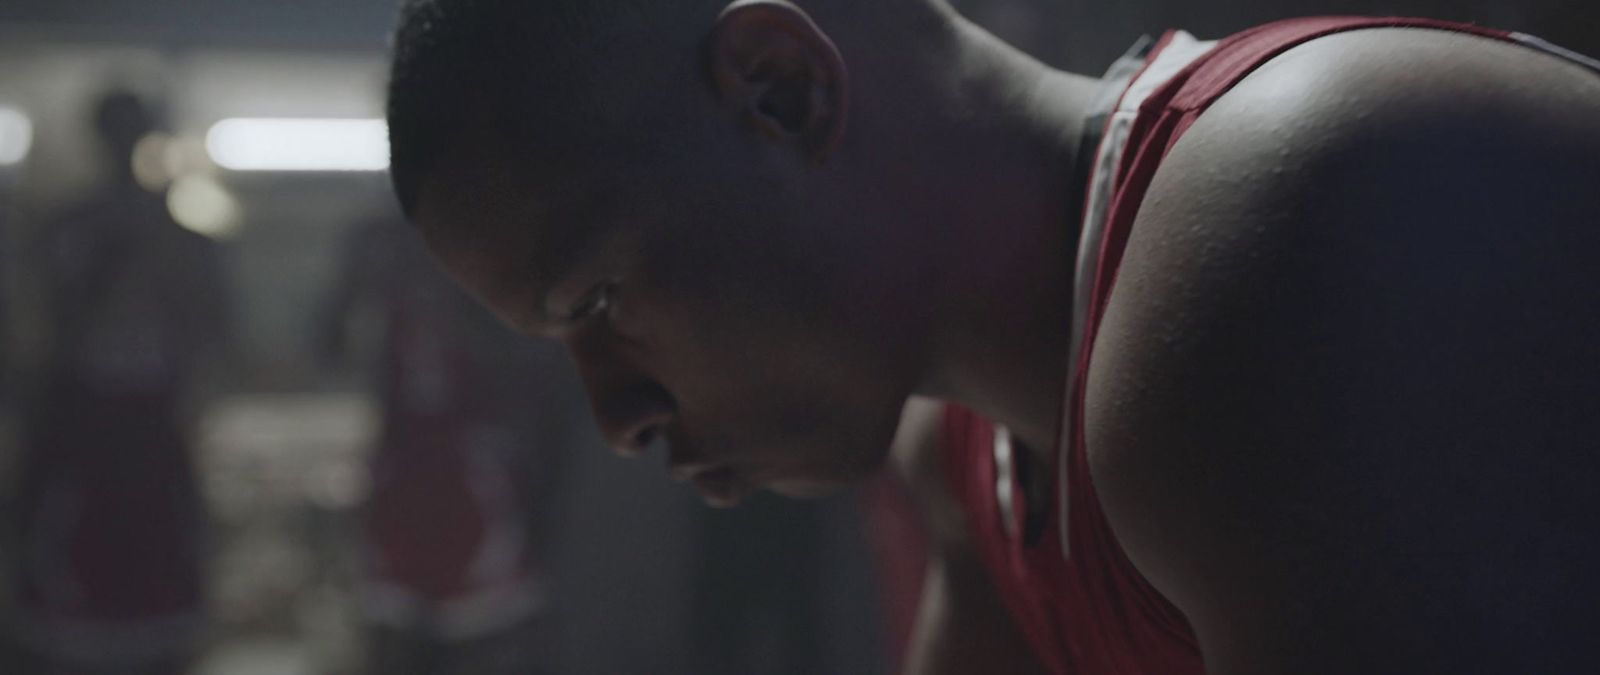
x: 595, y: 303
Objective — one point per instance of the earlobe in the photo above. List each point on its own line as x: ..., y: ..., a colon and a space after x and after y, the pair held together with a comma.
x: 776, y: 69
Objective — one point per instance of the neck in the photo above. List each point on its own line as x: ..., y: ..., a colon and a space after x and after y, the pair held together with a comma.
x: 1002, y: 339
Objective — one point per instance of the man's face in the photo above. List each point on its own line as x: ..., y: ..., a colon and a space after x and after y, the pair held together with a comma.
x: 717, y: 305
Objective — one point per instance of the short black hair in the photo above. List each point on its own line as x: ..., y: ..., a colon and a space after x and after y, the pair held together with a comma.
x: 499, y: 62
x: 460, y: 63
x: 438, y: 48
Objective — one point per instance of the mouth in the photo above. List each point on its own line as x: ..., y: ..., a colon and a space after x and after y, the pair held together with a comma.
x: 804, y: 489
x: 720, y: 486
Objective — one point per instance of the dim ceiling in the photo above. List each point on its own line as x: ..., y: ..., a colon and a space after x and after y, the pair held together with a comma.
x: 355, y: 24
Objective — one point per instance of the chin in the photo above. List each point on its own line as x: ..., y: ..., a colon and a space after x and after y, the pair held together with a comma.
x: 806, y: 488
x: 821, y: 467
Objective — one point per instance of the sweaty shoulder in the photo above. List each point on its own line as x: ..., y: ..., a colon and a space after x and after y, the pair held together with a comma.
x: 1385, y: 90
x: 1342, y: 391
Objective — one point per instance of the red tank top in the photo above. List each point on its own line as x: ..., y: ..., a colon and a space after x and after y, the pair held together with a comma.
x: 1070, y: 588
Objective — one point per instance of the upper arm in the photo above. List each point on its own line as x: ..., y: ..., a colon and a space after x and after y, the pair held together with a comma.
x: 962, y: 625
x: 1341, y: 405
x: 918, y: 459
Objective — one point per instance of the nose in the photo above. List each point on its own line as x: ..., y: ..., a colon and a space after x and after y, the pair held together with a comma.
x: 631, y: 408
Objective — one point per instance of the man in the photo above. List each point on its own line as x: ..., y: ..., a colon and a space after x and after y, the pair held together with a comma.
x: 111, y: 519
x: 1340, y: 411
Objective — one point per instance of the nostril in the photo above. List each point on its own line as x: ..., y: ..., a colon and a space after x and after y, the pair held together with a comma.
x: 645, y: 437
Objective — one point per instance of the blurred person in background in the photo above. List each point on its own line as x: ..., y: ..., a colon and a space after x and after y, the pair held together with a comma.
x: 1347, y: 374
x: 474, y: 434
x: 111, y: 525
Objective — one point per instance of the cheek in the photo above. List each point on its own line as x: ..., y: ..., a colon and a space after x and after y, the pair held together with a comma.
x: 790, y: 386
x: 744, y: 263
x: 749, y: 368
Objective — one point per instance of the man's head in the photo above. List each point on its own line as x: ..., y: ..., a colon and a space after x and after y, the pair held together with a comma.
x: 121, y: 120
x: 695, y: 198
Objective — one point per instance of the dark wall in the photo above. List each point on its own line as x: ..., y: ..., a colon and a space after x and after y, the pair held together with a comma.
x: 1082, y: 34
x: 343, y: 24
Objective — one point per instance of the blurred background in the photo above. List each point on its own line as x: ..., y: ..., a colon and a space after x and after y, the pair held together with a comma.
x: 245, y: 427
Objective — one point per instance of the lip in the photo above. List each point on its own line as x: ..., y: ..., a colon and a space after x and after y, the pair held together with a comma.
x: 719, y: 483
x: 683, y: 471
x: 720, y: 486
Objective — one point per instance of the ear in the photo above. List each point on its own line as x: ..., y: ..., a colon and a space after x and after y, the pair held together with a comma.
x: 781, y: 74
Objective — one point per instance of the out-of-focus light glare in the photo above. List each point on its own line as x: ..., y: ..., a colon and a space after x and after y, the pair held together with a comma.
x: 150, y: 165
x: 263, y: 144
x: 16, y: 136
x: 200, y: 204
x: 186, y: 154
x: 159, y: 158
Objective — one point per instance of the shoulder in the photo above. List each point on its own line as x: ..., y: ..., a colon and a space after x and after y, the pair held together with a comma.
x: 1334, y: 106
x: 1395, y: 134
x: 1347, y: 367
x: 920, y: 456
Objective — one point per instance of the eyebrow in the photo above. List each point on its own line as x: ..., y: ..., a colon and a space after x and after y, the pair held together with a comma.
x: 578, y: 237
